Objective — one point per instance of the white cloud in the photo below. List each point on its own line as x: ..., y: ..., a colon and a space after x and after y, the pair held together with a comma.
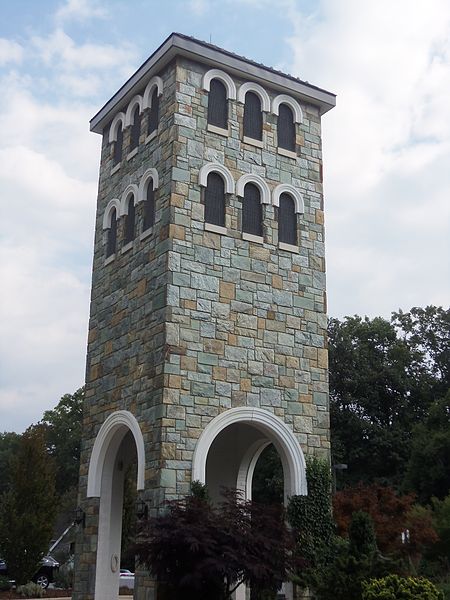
x: 80, y: 10
x: 10, y: 52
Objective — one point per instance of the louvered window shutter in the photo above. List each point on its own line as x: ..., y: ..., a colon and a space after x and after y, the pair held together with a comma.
x: 215, y: 200
x: 287, y: 220
x: 252, y: 211
x: 149, y: 207
x: 130, y: 221
x: 153, y: 117
x: 118, y: 146
x: 112, y: 235
x: 218, y: 104
x: 252, y: 116
x: 286, y: 128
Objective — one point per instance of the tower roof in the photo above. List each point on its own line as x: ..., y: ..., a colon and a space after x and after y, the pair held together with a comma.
x: 178, y: 44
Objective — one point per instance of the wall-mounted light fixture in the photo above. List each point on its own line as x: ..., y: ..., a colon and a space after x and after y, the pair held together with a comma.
x: 141, y: 509
x: 80, y: 517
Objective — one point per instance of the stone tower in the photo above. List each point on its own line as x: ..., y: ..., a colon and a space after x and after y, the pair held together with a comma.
x: 207, y: 336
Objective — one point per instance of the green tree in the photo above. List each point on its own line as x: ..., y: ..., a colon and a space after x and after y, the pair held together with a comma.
x: 9, y: 443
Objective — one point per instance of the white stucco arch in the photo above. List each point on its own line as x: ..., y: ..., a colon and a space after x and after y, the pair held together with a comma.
x: 111, y: 433
x: 119, y: 119
x: 149, y: 175
x: 291, y: 102
x: 224, y: 78
x: 114, y: 203
x: 258, y: 181
x: 250, y: 86
x: 272, y: 427
x: 221, y: 170
x: 136, y: 101
x: 131, y: 189
x: 148, y: 92
x: 293, y: 192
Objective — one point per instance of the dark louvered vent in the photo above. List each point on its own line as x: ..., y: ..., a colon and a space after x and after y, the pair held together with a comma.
x: 153, y: 117
x: 130, y: 221
x: 149, y: 207
x: 112, y: 235
x: 218, y: 104
x: 286, y: 128
x: 252, y: 116
x: 252, y: 210
x: 135, y: 129
x: 287, y: 221
x: 118, y: 146
x: 215, y: 200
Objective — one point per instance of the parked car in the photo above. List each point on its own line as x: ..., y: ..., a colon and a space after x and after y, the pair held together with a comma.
x: 126, y: 579
x: 43, y: 576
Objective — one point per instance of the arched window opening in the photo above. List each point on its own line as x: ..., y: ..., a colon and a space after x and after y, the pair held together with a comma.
x: 130, y: 221
x: 287, y: 220
x: 135, y: 129
x: 118, y: 145
x: 112, y: 234
x: 215, y: 200
x: 253, y: 120
x: 218, y: 104
x: 286, y: 128
x: 252, y: 211
x: 268, y: 477
x: 149, y: 207
x: 153, y: 116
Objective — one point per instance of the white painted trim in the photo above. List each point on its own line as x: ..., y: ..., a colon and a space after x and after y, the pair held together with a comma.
x: 114, y: 203
x: 127, y: 247
x: 276, y: 431
x: 288, y: 153
x: 288, y: 247
x: 250, y: 237
x: 258, y: 181
x: 221, y: 170
x: 147, y: 233
x: 121, y: 419
x: 150, y: 174
x: 292, y: 191
x: 247, y: 468
x: 152, y: 135
x: 218, y: 130
x: 130, y: 189
x: 133, y: 153
x: 131, y: 106
x: 293, y: 104
x: 224, y: 78
x: 110, y: 259
x: 118, y: 119
x: 147, y: 98
x: 216, y: 228
x: 250, y: 86
x: 116, y: 168
x: 253, y: 142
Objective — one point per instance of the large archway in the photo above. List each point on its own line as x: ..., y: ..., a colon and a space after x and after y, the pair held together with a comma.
x: 119, y: 443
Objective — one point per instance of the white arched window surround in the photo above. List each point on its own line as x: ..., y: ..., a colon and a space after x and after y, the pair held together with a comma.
x: 293, y: 104
x: 131, y: 189
x: 221, y: 170
x: 149, y: 175
x: 224, y: 78
x: 148, y: 92
x: 119, y: 119
x: 285, y: 188
x: 107, y: 214
x: 256, y: 180
x: 136, y: 101
x: 249, y: 86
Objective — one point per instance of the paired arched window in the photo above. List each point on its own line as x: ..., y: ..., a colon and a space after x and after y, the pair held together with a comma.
x: 117, y: 157
x: 286, y: 128
x: 253, y: 119
x: 215, y: 200
x: 149, y: 207
x: 252, y: 217
x: 135, y: 128
x: 287, y: 220
x: 130, y: 220
x: 218, y: 104
x: 111, y: 243
x: 153, y: 115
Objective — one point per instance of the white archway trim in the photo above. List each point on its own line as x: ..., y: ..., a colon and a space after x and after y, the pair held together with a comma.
x: 217, y: 168
x: 136, y: 101
x: 117, y: 420
x: 119, y: 119
x: 147, y: 98
x: 293, y: 104
x: 285, y: 188
x: 248, y: 465
x: 224, y: 78
x: 129, y: 190
x: 258, y: 181
x: 150, y: 174
x: 272, y: 426
x: 249, y: 86
x: 107, y: 214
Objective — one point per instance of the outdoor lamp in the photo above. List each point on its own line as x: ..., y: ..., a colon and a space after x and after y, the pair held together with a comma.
x: 141, y: 509
x: 80, y: 516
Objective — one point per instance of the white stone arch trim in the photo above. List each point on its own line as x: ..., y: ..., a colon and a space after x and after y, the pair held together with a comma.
x: 258, y: 181
x: 149, y: 175
x: 248, y: 465
x: 115, y: 421
x: 272, y: 426
x: 119, y: 119
x: 285, y: 188
x: 250, y: 86
x: 221, y: 170
x: 130, y: 189
x: 291, y: 102
x: 136, y: 101
x: 147, y: 98
x: 114, y: 203
x: 229, y: 84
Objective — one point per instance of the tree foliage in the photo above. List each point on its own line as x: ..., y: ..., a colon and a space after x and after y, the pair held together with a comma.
x: 9, y: 443
x: 394, y: 587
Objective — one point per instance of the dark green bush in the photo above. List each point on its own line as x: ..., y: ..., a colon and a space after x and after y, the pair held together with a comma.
x: 4, y: 584
x: 394, y: 587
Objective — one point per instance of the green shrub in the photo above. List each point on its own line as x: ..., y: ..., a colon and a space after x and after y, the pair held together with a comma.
x: 31, y: 590
x: 4, y: 584
x: 394, y: 587
x: 64, y: 578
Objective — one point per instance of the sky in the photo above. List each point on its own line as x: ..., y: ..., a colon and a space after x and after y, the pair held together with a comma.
x: 386, y: 152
